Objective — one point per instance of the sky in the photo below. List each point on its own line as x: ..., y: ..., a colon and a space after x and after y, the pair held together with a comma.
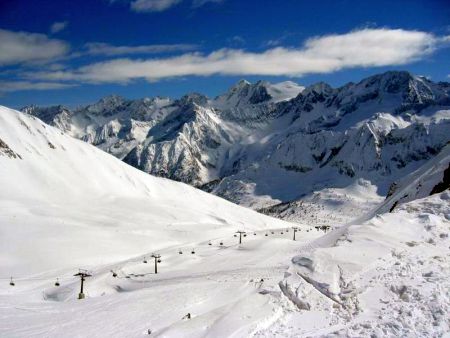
x: 75, y: 52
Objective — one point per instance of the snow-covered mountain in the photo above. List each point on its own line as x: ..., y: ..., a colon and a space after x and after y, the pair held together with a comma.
x: 67, y: 205
x: 285, y: 150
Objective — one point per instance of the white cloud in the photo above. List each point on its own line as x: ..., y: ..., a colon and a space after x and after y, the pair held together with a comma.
x: 100, y: 48
x: 198, y: 3
x: 153, y: 5
x: 162, y: 5
x: 58, y: 26
x: 21, y: 47
x: 13, y: 86
x: 236, y: 40
x: 326, y: 54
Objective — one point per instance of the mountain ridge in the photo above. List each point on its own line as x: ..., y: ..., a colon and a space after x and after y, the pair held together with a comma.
x: 260, y: 151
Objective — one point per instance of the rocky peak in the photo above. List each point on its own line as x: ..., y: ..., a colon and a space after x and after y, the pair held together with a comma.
x: 319, y: 88
x: 244, y: 93
x: 192, y: 99
x: 412, y: 89
x: 106, y: 105
x: 46, y: 114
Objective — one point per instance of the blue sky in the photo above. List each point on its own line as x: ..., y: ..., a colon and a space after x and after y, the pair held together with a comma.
x: 75, y: 52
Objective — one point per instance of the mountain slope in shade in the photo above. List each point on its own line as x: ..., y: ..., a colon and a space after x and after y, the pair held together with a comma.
x: 68, y: 204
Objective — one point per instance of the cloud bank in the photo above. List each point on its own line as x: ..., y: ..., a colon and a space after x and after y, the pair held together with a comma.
x: 12, y: 86
x: 325, y: 54
x: 100, y: 48
x: 20, y: 47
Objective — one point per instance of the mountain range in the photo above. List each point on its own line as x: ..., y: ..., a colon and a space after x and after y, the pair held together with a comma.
x: 307, y: 154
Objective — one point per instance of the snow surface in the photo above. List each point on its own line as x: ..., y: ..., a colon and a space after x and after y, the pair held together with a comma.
x: 67, y: 205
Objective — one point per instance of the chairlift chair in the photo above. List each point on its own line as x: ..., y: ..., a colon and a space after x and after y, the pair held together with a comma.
x: 11, y: 282
x: 57, y: 282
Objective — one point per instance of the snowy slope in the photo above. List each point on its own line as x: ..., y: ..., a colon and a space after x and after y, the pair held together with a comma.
x: 431, y: 178
x: 386, y: 276
x: 68, y: 205
x: 60, y: 188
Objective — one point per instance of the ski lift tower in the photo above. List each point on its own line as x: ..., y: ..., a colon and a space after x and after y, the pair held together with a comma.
x: 157, y: 258
x: 295, y: 230
x: 240, y: 232
x: 82, y: 274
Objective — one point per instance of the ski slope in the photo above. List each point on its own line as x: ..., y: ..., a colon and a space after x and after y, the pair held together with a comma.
x: 66, y: 205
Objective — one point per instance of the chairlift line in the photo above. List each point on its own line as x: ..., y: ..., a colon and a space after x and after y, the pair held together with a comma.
x: 84, y: 273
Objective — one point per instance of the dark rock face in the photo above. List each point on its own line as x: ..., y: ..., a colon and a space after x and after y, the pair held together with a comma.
x: 5, y: 150
x: 444, y: 184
